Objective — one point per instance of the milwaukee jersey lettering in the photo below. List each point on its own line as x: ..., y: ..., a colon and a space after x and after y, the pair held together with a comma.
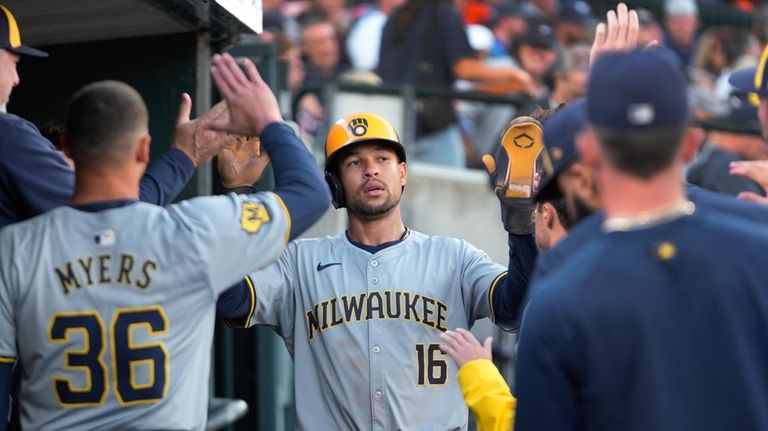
x: 364, y: 328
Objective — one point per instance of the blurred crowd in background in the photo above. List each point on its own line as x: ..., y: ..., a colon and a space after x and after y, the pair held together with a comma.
x: 536, y: 48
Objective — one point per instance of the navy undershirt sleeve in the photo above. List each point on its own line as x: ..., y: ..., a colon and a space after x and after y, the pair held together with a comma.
x: 299, y: 184
x: 5, y: 393
x: 166, y: 177
x: 234, y: 303
x: 509, y: 294
x: 35, y: 178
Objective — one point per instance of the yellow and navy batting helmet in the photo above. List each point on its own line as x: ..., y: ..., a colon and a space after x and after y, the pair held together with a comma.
x: 356, y: 129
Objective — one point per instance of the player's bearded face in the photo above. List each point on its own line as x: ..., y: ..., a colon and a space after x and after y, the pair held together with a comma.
x: 578, y: 208
x: 577, y: 187
x: 373, y: 179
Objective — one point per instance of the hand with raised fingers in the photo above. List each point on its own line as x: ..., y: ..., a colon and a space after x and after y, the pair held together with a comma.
x: 755, y: 170
x: 198, y: 143
x: 463, y: 347
x: 242, y: 163
x: 252, y: 105
x: 619, y: 33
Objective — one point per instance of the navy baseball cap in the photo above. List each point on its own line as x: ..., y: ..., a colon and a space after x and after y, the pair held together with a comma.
x: 560, y: 131
x: 753, y: 80
x: 577, y: 12
x: 637, y: 89
x: 10, y: 37
x: 539, y: 35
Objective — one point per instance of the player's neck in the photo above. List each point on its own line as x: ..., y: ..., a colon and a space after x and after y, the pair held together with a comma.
x: 105, y: 186
x: 626, y: 196
x: 376, y: 232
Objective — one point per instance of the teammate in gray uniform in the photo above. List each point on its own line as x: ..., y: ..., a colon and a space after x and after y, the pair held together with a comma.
x: 361, y: 312
x: 109, y: 302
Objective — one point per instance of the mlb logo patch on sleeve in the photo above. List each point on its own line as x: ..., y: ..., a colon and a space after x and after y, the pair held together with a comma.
x: 253, y: 216
x: 104, y: 238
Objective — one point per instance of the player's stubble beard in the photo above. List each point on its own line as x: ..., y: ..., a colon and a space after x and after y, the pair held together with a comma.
x: 373, y: 211
x: 578, y: 209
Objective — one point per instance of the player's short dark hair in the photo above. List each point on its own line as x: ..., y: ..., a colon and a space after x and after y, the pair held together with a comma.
x: 641, y: 152
x: 101, y: 122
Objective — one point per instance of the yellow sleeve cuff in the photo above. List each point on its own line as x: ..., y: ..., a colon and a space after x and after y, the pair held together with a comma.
x: 487, y: 395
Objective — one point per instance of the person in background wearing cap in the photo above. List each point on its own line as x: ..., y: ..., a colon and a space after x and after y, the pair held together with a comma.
x: 681, y: 24
x: 545, y: 10
x: 574, y: 22
x: 34, y: 176
x: 536, y: 53
x: 650, y: 30
x: 424, y: 44
x: 710, y: 170
x: 621, y: 336
x: 754, y: 81
x: 507, y: 23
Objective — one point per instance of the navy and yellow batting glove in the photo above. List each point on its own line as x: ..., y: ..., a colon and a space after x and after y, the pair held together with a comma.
x: 513, y: 171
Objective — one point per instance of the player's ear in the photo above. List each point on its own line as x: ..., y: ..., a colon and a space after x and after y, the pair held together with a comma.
x: 65, y: 145
x: 549, y: 214
x: 142, y: 148
x: 586, y: 145
x: 403, y: 169
x: 693, y: 139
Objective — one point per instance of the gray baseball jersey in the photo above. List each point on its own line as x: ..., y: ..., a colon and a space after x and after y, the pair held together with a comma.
x: 113, y: 310
x: 363, y: 328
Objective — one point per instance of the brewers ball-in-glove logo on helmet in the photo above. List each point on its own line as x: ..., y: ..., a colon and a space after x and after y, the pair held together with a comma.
x: 358, y: 126
x: 346, y: 133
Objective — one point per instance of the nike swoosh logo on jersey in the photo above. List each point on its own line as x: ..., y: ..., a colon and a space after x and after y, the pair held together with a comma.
x: 321, y: 267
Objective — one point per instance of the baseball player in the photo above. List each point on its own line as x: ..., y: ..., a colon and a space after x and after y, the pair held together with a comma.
x: 34, y: 177
x: 109, y: 302
x: 637, y: 353
x: 361, y: 312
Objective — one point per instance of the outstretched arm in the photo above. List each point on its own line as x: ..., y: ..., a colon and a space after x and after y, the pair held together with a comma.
x: 512, y: 169
x: 192, y: 146
x: 508, y: 294
x: 253, y: 111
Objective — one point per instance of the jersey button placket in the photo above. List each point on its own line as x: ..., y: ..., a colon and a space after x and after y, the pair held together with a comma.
x: 375, y: 358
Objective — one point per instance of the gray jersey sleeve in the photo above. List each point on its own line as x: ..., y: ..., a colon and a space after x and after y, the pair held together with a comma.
x: 7, y: 298
x: 234, y: 234
x: 274, y: 303
x: 478, y: 274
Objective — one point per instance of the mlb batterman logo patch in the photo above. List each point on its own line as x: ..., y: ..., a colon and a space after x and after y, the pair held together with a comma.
x: 253, y: 216
x: 104, y: 238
